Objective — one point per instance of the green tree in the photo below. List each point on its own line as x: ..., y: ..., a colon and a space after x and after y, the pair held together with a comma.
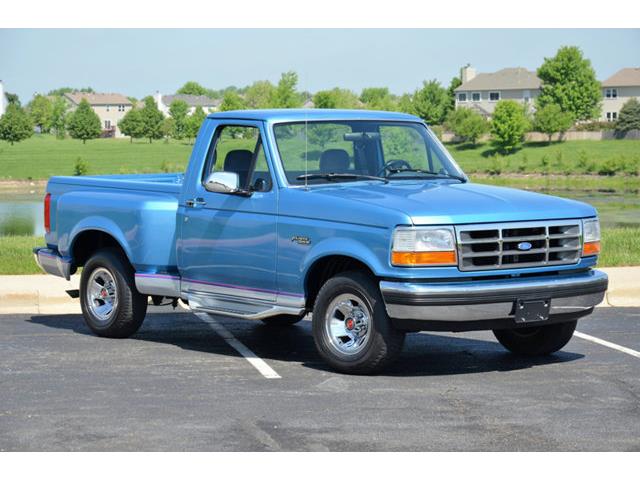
x: 378, y: 98
x: 58, y: 92
x: 451, y: 91
x: 132, y: 124
x: 84, y: 124
x: 195, y: 121
x: 431, y: 102
x: 192, y: 88
x: 179, y: 110
x: 152, y: 119
x: 629, y: 116
x: 15, y: 124
x: 40, y: 110
x: 231, y: 101
x: 335, y: 98
x: 509, y: 123
x: 59, y: 117
x: 551, y: 119
x: 167, y: 128
x: 467, y: 124
x: 405, y: 104
x: 286, y: 95
x: 260, y: 94
x: 569, y: 81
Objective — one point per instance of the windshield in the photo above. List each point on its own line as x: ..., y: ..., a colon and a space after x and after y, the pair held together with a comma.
x: 322, y: 152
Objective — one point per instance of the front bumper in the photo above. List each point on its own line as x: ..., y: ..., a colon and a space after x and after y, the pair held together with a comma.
x: 472, y: 304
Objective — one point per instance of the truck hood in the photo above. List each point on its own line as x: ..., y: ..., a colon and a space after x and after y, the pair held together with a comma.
x: 432, y: 203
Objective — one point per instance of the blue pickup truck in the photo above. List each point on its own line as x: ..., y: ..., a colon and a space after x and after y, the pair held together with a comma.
x: 361, y: 218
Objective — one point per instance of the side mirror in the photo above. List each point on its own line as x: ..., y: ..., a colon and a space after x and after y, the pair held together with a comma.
x: 223, y: 182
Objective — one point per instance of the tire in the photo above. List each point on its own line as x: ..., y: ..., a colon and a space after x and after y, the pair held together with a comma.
x: 282, y: 320
x: 107, y: 280
x: 536, y: 340
x: 370, y: 342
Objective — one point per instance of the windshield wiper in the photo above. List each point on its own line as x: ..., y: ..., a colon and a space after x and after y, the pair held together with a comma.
x: 339, y: 176
x: 426, y: 172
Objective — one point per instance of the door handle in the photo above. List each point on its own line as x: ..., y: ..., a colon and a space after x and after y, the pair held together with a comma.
x: 195, y: 202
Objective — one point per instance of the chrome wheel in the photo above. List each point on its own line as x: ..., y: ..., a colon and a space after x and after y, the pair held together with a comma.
x: 102, y: 295
x: 347, y: 324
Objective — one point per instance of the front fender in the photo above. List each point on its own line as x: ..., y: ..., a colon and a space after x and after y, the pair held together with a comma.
x: 347, y: 247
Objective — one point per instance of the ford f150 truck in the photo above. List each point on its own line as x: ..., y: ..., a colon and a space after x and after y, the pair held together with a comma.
x: 361, y: 218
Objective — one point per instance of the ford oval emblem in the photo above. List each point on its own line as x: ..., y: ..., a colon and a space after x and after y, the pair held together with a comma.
x: 524, y: 246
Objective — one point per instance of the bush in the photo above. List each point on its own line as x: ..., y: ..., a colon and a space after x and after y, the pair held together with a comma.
x: 584, y: 165
x: 437, y: 130
x: 496, y: 165
x: 594, y: 126
x: 81, y: 167
x: 551, y: 119
x: 467, y: 124
x: 629, y: 117
x: 508, y: 125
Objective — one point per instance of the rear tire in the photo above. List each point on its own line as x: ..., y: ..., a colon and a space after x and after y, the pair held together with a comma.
x: 111, y: 305
x: 542, y: 340
x: 282, y: 320
x: 351, y: 328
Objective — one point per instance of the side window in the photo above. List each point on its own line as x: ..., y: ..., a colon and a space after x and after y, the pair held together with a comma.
x: 239, y: 149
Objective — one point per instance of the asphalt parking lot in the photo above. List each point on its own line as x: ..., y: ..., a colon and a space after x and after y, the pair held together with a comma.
x: 180, y: 385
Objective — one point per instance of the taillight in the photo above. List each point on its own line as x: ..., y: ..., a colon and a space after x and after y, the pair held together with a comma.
x: 47, y: 212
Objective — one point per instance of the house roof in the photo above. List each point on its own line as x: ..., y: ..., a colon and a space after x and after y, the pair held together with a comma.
x: 98, y: 98
x: 505, y: 79
x: 627, y: 77
x: 317, y: 114
x: 191, y: 100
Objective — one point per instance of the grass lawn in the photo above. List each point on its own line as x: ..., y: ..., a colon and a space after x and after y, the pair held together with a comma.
x: 620, y: 247
x: 603, y: 157
x: 42, y: 156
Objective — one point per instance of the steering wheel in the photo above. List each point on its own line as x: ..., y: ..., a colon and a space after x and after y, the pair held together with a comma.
x: 394, y: 165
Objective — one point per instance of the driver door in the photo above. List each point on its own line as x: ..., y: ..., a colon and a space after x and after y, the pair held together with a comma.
x: 227, y: 249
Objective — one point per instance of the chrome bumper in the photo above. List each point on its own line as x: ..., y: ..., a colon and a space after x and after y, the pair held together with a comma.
x: 53, y: 263
x: 492, y: 299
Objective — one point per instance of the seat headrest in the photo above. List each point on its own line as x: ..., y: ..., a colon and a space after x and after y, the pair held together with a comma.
x: 238, y: 161
x: 334, y: 160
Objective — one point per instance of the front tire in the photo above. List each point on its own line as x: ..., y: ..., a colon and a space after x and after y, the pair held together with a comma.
x: 543, y: 340
x: 111, y: 305
x: 351, y: 328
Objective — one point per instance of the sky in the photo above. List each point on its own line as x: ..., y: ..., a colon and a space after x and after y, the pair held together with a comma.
x: 139, y: 62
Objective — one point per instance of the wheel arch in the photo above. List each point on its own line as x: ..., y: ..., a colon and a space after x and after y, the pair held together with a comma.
x: 86, y: 242
x: 327, y: 266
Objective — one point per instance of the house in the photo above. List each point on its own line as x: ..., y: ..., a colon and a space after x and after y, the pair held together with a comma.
x: 3, y: 99
x: 481, y: 91
x: 110, y: 108
x: 617, y: 90
x: 194, y: 101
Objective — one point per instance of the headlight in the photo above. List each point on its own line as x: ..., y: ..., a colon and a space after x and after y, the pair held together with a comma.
x: 423, y: 246
x: 591, y: 237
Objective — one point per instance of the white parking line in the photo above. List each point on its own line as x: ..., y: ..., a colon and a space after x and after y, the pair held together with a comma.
x: 252, y: 358
x: 604, y: 343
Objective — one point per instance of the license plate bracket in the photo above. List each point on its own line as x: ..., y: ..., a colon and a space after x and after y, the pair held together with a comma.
x: 528, y: 311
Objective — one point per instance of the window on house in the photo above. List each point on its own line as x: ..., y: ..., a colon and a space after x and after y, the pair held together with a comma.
x: 475, y: 96
x: 107, y: 124
x: 611, y: 93
x: 494, y: 96
x: 462, y: 97
x: 121, y: 108
x: 614, y: 116
x: 108, y: 107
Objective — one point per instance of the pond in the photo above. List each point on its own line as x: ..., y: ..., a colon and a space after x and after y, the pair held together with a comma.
x: 21, y: 213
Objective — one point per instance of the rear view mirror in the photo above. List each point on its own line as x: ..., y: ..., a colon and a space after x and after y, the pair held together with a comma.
x: 361, y: 136
x: 222, y: 182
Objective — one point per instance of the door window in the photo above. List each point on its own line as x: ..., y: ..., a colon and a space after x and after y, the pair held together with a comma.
x: 239, y: 149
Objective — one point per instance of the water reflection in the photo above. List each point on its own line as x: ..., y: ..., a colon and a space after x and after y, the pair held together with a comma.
x: 21, y: 218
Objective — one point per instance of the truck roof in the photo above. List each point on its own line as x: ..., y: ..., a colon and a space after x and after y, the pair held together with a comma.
x: 310, y: 114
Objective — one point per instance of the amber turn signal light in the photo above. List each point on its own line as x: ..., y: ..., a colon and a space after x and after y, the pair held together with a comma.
x: 590, y: 248
x: 413, y: 259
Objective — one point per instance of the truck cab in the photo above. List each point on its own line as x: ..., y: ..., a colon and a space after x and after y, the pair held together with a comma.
x: 360, y: 218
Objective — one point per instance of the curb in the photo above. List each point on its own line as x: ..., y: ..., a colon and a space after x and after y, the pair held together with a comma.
x: 46, y: 294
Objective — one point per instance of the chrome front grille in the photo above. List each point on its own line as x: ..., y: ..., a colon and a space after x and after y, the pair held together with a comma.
x: 519, y: 244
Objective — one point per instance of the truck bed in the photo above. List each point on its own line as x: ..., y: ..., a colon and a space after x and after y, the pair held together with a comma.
x: 138, y: 210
